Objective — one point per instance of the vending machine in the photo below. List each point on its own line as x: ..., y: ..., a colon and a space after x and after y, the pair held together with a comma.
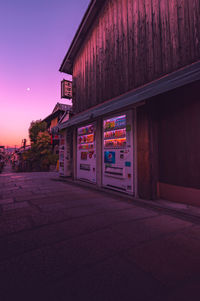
x: 86, y: 153
x: 61, y: 154
x: 118, y: 169
x: 68, y: 153
x: 65, y: 154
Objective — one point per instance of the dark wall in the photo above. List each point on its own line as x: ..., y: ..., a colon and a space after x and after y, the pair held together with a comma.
x: 147, y: 151
x: 131, y: 43
x: 143, y: 153
x: 179, y: 137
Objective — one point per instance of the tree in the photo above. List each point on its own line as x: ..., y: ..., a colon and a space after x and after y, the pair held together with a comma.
x: 40, y: 155
x: 35, y: 128
x: 44, y: 149
x: 43, y: 142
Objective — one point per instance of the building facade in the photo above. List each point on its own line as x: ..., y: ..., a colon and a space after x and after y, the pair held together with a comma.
x: 136, y: 72
x: 61, y: 111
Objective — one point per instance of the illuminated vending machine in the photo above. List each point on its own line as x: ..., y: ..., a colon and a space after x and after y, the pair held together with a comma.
x: 61, y: 155
x: 86, y: 153
x: 118, y: 153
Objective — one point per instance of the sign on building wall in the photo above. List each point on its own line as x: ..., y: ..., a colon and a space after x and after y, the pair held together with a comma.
x: 66, y: 89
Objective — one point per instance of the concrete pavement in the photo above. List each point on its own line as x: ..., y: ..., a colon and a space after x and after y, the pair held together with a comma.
x: 60, y: 241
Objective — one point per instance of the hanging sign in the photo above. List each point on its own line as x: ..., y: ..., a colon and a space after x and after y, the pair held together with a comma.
x: 66, y: 89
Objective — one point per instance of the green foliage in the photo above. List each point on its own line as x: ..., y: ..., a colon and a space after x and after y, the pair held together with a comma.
x: 36, y: 127
x: 43, y: 142
x: 40, y: 155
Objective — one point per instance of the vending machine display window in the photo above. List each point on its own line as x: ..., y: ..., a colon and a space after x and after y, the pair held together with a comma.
x: 115, y: 132
x: 118, y: 153
x: 86, y: 153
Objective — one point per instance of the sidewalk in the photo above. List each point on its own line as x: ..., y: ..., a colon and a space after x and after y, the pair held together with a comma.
x: 181, y: 210
x: 60, y: 241
x: 7, y: 169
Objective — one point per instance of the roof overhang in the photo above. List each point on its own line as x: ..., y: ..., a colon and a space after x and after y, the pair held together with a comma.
x: 167, y: 83
x: 88, y: 18
x: 53, y: 115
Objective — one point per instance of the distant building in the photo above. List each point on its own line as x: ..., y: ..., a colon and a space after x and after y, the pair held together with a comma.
x: 135, y: 94
x: 60, y: 112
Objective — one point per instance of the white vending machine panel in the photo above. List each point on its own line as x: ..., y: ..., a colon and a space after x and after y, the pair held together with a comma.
x: 118, y: 153
x: 61, y: 155
x: 86, y: 153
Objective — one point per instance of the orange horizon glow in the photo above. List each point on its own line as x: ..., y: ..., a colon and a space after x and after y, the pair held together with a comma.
x: 31, y: 54
x: 12, y: 139
x: 13, y: 144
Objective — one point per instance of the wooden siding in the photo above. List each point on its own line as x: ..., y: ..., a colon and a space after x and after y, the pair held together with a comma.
x: 54, y: 122
x: 147, y: 151
x: 178, y: 137
x: 133, y: 42
x: 143, y: 154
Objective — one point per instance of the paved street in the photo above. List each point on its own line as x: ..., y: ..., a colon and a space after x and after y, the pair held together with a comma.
x: 60, y: 241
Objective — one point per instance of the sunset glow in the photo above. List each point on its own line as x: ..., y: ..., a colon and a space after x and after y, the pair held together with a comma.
x: 35, y: 37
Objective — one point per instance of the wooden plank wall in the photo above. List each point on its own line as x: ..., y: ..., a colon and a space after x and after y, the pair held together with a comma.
x: 133, y: 42
x: 178, y: 137
x: 147, y: 151
x: 143, y: 154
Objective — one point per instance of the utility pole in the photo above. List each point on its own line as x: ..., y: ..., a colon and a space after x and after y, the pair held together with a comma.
x: 24, y: 143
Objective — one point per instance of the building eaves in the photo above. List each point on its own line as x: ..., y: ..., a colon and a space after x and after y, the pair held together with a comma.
x: 88, y: 18
x: 53, y: 115
x: 62, y: 107
x: 59, y: 108
x: 169, y: 82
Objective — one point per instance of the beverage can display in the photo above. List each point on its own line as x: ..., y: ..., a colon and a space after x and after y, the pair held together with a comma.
x: 90, y: 138
x: 86, y: 130
x: 115, y: 123
x: 115, y: 132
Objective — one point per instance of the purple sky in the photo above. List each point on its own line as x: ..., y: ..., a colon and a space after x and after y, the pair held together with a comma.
x: 34, y: 38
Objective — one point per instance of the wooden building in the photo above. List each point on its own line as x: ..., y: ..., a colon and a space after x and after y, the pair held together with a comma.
x: 59, y: 112
x: 142, y: 56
